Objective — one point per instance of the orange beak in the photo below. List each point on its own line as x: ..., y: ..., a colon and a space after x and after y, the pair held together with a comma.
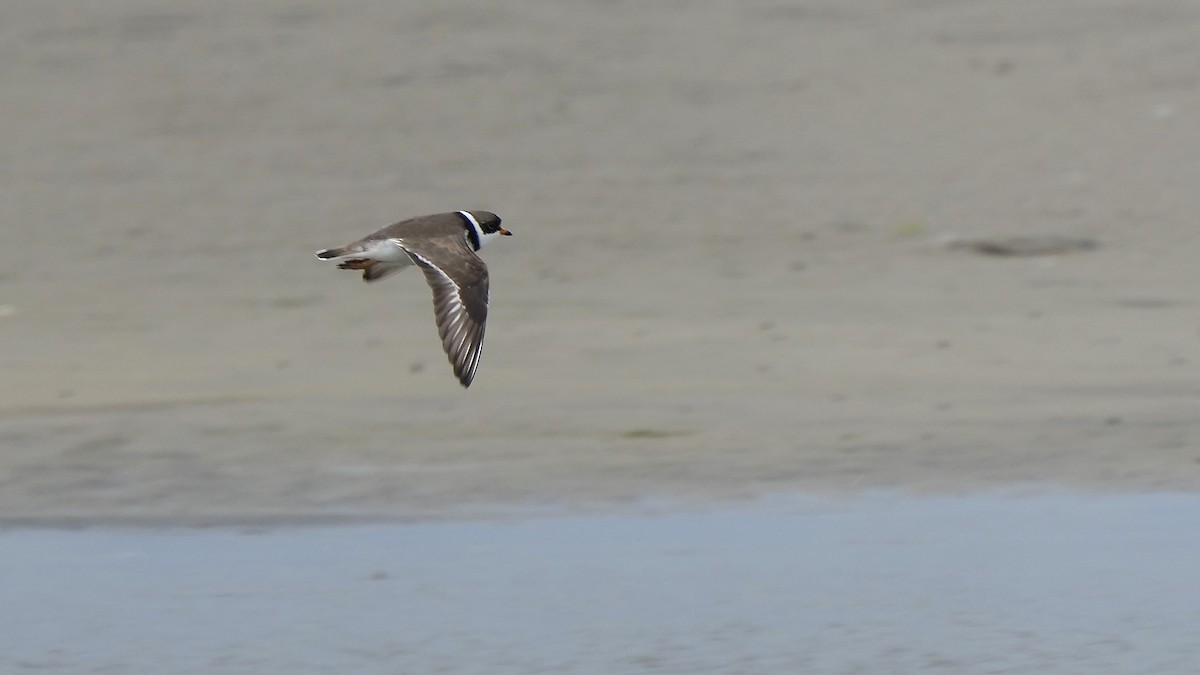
x: 505, y: 232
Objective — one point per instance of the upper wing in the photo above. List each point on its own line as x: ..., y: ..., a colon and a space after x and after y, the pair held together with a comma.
x: 459, y: 280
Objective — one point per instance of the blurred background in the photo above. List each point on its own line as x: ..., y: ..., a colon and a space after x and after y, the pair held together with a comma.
x: 760, y: 247
x: 739, y: 263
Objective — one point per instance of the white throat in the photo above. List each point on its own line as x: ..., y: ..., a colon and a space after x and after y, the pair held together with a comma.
x: 484, y: 238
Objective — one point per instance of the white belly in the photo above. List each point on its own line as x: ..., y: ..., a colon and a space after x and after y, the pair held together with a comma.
x: 387, y: 250
x: 384, y: 250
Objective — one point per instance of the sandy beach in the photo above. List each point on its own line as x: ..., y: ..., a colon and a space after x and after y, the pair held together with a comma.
x: 733, y: 273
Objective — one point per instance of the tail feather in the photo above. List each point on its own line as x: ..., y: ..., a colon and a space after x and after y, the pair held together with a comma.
x: 354, y: 257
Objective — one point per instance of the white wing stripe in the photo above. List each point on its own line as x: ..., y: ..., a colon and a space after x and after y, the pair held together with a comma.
x: 454, y: 322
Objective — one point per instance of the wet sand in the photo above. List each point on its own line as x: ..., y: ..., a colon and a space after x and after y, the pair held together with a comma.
x: 1030, y: 584
x: 732, y: 272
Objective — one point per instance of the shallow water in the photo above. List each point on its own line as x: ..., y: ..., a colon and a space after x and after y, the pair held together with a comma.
x: 979, y: 584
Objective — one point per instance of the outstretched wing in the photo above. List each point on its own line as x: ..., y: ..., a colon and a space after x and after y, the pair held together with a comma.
x: 459, y: 280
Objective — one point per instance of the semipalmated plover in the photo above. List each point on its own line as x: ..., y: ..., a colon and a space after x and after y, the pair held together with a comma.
x: 443, y: 246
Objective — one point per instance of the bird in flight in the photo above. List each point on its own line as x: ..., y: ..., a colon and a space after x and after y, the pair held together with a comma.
x: 444, y: 246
